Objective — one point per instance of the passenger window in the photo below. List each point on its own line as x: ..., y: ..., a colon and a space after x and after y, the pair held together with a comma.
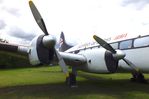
x: 126, y: 44
x: 114, y: 45
x: 140, y: 42
x: 77, y: 51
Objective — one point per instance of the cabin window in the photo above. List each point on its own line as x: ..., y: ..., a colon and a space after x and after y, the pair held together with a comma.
x: 77, y: 51
x: 140, y: 42
x: 114, y: 45
x: 126, y: 44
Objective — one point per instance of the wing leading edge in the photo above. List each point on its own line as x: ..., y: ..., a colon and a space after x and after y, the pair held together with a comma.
x: 14, y: 48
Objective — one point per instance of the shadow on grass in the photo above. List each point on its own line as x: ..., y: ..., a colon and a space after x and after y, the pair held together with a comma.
x: 92, y: 87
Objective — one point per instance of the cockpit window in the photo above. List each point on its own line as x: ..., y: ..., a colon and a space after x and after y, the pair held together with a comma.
x: 140, y: 42
x: 126, y: 44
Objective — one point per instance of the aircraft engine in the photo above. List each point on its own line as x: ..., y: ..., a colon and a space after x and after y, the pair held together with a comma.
x: 42, y: 50
x: 100, y: 61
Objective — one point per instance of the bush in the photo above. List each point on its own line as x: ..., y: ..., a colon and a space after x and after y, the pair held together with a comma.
x: 11, y: 60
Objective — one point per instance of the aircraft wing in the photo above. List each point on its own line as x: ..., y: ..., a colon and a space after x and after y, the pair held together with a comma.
x: 14, y: 48
x: 21, y: 50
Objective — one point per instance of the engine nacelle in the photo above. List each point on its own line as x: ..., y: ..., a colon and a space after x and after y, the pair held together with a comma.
x: 39, y: 54
x: 99, y: 60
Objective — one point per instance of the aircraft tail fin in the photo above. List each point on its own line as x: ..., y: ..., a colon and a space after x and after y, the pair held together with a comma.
x: 63, y: 45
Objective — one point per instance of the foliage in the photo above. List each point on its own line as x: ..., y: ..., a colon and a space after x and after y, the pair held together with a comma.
x: 10, y: 60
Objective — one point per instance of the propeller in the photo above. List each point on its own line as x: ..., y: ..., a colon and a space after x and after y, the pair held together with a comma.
x: 118, y: 54
x: 39, y: 20
x: 104, y: 44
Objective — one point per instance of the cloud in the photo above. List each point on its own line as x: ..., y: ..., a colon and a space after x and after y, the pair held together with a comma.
x: 2, y: 24
x: 12, y: 11
x: 19, y: 33
x: 76, y: 18
x: 9, y: 7
x: 139, y: 4
x: 14, y: 22
x: 1, y: 1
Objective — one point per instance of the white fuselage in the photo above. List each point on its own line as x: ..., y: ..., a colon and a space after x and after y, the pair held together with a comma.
x: 139, y: 57
x: 96, y: 61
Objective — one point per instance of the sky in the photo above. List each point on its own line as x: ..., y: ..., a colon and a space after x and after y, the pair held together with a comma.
x: 78, y: 19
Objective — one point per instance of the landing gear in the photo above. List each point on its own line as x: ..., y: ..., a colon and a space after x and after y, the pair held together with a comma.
x: 71, y: 79
x: 138, y: 77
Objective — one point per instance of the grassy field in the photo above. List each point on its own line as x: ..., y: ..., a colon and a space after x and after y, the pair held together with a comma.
x: 48, y: 83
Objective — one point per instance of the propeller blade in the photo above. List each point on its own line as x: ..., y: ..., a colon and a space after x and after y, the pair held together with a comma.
x: 38, y: 18
x: 129, y: 63
x: 62, y: 63
x: 104, y: 44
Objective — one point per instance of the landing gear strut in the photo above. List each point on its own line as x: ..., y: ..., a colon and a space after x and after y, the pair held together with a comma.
x: 71, y: 79
x: 138, y: 77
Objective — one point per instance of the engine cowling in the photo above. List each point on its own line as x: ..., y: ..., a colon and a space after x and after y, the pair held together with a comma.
x: 39, y: 54
x: 99, y: 60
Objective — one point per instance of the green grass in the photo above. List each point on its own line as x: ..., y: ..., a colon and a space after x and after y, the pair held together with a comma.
x: 48, y: 83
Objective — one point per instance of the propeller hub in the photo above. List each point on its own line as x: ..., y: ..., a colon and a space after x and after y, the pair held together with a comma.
x: 119, y: 55
x: 49, y: 41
